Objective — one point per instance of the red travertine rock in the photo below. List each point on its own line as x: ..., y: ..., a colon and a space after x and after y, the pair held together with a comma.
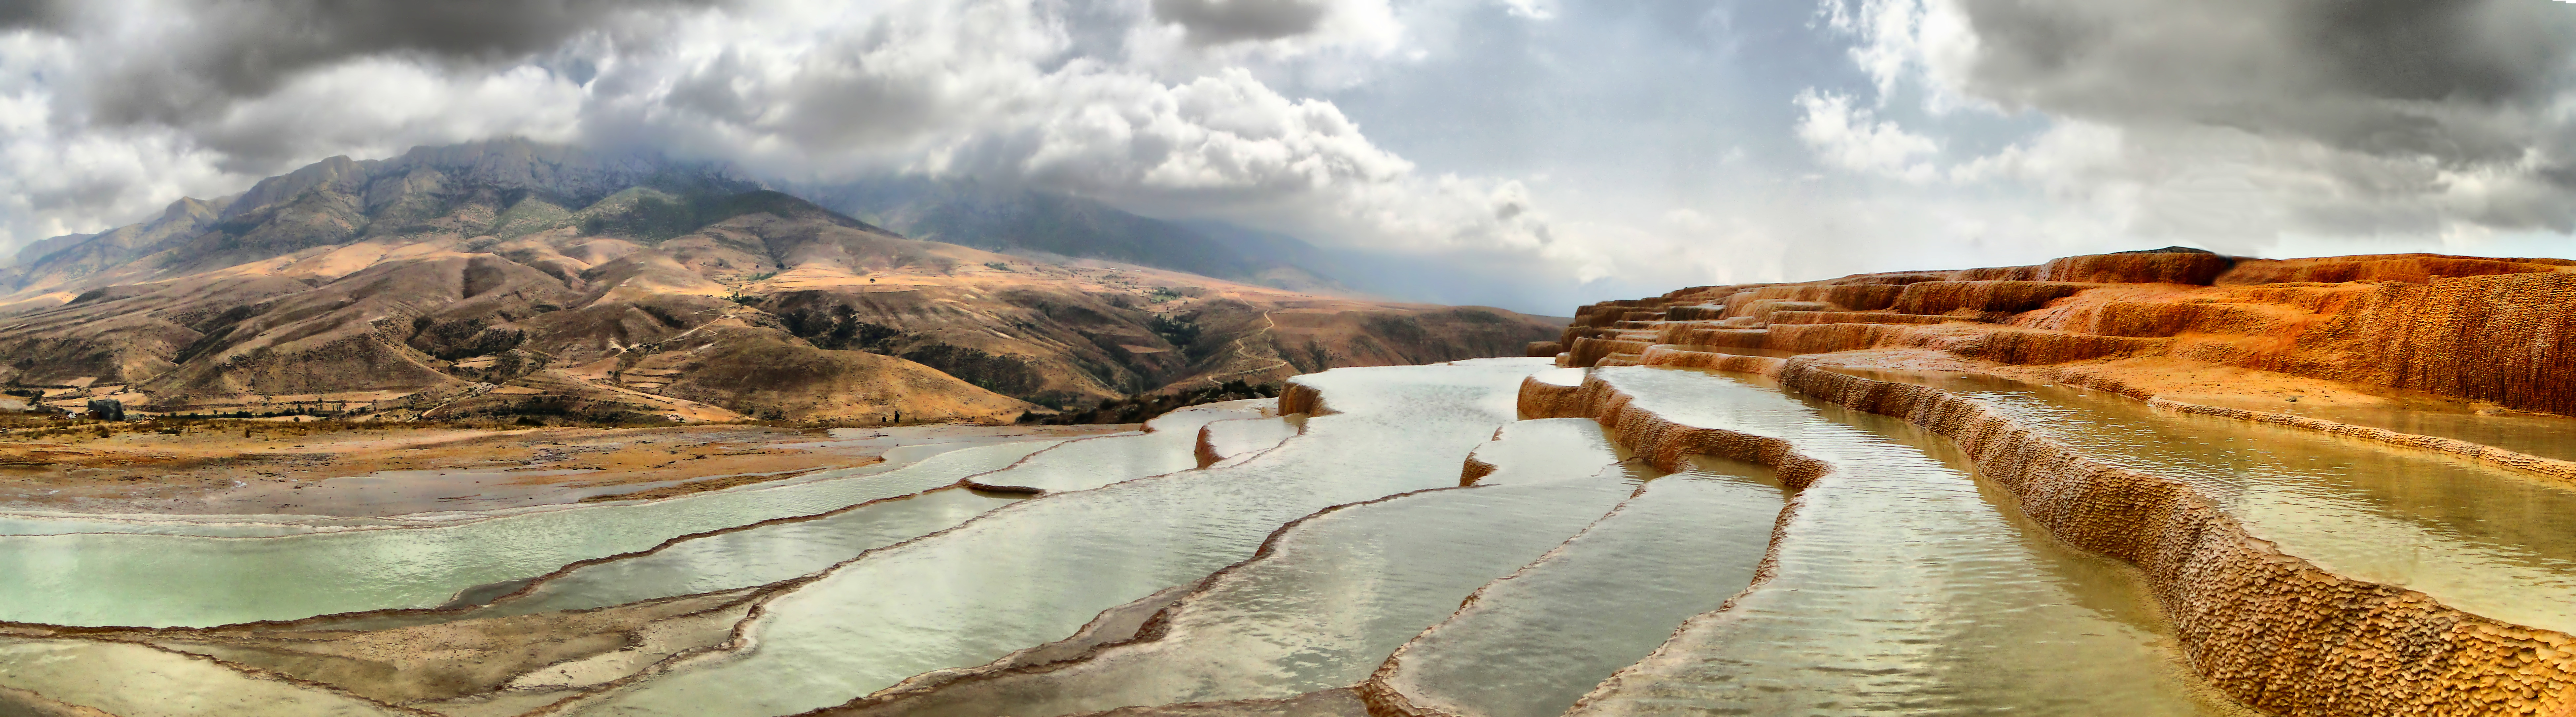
x: 2416, y: 268
x: 1996, y: 273
x: 2500, y: 338
x: 1580, y: 331
x: 1739, y: 338
x: 1761, y: 309
x: 2470, y: 328
x: 1297, y: 398
x: 1544, y: 349
x: 1708, y: 357
x: 1941, y: 297
x: 1859, y: 317
x: 2157, y: 267
x: 2161, y: 318
x: 1665, y: 444
x: 1695, y: 313
x: 1586, y: 352
x: 1865, y: 297
x: 1902, y: 277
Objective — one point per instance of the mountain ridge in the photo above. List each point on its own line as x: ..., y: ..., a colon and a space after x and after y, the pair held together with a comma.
x: 1016, y: 219
x: 510, y: 278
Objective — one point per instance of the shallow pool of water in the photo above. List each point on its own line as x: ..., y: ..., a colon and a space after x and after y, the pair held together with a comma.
x: 1341, y: 591
x: 770, y: 553
x: 2540, y: 435
x: 163, y: 580
x: 1905, y: 586
x: 1035, y: 571
x: 2478, y: 538
x: 1534, y: 643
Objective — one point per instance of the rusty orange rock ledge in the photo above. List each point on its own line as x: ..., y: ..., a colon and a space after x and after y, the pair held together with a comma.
x: 2474, y: 328
x: 2271, y: 630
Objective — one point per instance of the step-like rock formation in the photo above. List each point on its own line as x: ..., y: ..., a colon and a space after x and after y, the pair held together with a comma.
x: 2271, y: 629
x: 2478, y: 329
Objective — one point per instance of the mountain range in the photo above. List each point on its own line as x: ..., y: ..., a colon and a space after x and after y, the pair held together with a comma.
x: 512, y: 278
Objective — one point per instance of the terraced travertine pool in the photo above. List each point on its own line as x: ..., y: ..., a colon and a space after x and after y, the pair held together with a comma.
x: 1416, y: 543
x: 1904, y: 586
x: 2477, y: 537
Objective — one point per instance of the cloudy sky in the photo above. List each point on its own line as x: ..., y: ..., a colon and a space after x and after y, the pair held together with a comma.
x: 1551, y: 151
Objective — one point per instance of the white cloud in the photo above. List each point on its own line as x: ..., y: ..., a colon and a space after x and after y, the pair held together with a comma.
x: 1531, y: 9
x: 2227, y: 124
x: 821, y: 90
x: 1854, y: 139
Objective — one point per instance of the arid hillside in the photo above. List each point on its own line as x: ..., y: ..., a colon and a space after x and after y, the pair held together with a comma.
x: 2179, y: 323
x: 509, y: 278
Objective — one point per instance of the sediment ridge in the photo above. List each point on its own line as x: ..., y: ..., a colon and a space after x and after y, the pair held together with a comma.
x: 2271, y: 630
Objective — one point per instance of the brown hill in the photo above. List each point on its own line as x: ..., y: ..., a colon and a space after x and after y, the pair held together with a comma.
x: 456, y: 282
x: 2175, y: 322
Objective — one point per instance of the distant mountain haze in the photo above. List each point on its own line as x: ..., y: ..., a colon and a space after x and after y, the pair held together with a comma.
x: 1013, y: 219
x: 515, y: 278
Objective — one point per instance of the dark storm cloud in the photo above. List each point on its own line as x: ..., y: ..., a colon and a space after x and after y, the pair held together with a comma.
x: 1212, y: 22
x: 16, y: 14
x: 2458, y: 81
x: 243, y: 48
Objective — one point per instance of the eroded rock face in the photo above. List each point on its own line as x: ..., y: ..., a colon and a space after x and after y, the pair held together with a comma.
x: 2477, y: 329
